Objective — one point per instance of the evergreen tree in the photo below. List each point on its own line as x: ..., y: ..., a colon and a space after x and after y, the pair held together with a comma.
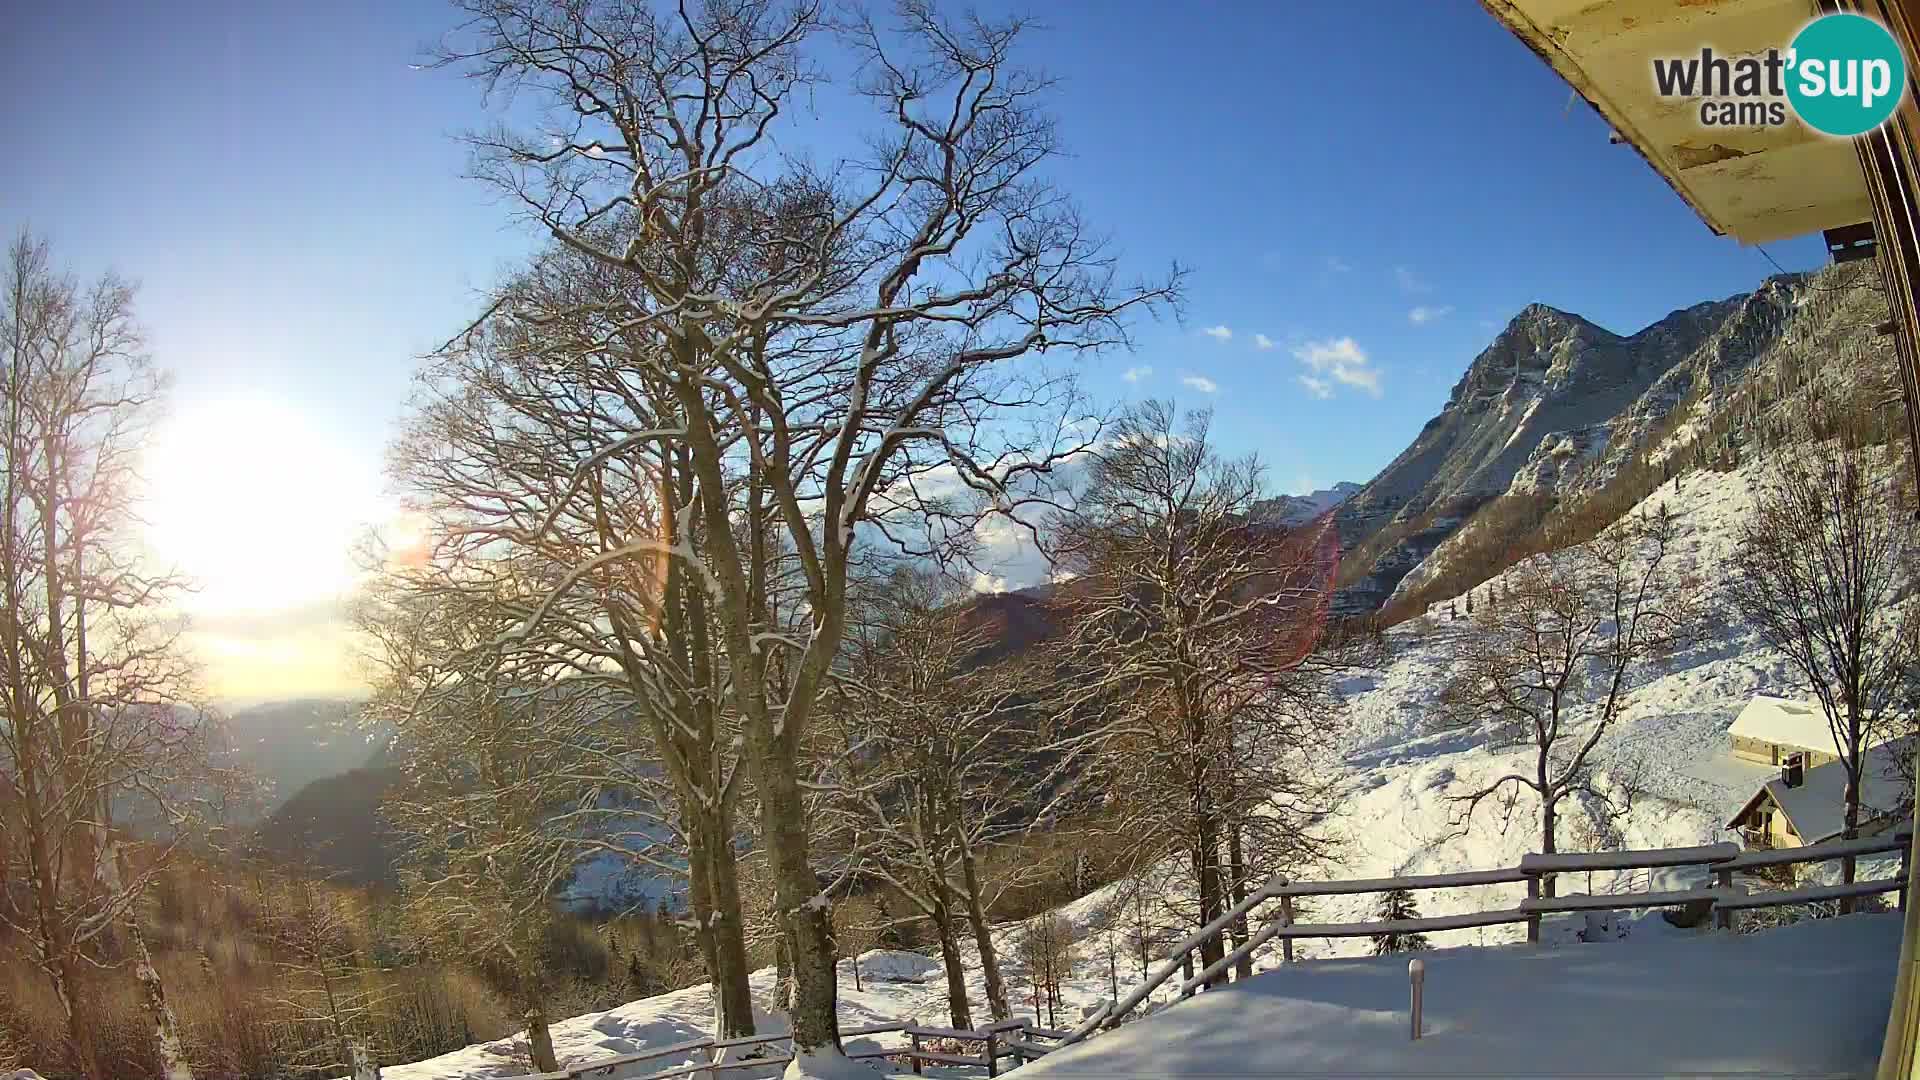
x: 1395, y: 905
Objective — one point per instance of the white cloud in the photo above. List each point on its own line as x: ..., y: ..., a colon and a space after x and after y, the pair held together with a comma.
x: 984, y: 582
x: 1135, y: 374
x: 1200, y: 383
x: 1410, y: 281
x: 1319, y: 388
x: 1342, y: 360
x: 1219, y: 333
x: 1424, y: 314
x: 1262, y: 342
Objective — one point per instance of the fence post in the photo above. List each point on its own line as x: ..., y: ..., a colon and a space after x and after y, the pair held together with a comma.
x: 1417, y: 971
x: 993, y: 1055
x: 915, y: 1052
x: 1186, y: 974
x: 1723, y: 917
x: 1286, y: 919
x: 1533, y: 917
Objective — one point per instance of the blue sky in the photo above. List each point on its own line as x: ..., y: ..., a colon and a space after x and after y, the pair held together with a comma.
x: 285, y: 185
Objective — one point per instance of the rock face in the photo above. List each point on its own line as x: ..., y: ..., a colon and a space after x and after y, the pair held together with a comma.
x: 1557, y: 405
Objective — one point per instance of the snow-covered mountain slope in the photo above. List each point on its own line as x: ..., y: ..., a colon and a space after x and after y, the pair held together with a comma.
x: 1557, y: 406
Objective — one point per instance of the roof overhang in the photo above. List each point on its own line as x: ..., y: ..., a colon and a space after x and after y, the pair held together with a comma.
x: 1755, y: 184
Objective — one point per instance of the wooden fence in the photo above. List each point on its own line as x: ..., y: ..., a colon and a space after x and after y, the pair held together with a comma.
x: 1723, y: 898
x: 1018, y: 1039
x: 1021, y: 1041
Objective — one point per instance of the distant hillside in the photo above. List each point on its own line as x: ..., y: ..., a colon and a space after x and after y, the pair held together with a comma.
x: 333, y: 827
x: 290, y: 744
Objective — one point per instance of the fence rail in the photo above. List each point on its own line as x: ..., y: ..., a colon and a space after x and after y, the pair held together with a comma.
x: 1722, y: 899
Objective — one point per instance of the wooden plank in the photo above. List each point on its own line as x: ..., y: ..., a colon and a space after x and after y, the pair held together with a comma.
x: 751, y: 1040
x: 873, y: 1029
x: 687, y: 1047
x: 1605, y: 902
x: 1811, y: 894
x: 1832, y: 849
x: 750, y: 1063
x: 948, y: 1059
x: 944, y: 1033
x: 1405, y: 926
x: 1048, y: 1033
x: 1644, y: 859
x: 1030, y: 1049
x: 1418, y: 881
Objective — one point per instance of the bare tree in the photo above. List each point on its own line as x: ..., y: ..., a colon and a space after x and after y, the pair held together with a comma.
x: 97, y: 735
x: 933, y: 745
x: 1195, y: 633
x: 495, y: 804
x: 1551, y: 666
x: 504, y: 463
x: 1823, y: 562
x: 1047, y: 948
x: 323, y: 987
x: 834, y: 339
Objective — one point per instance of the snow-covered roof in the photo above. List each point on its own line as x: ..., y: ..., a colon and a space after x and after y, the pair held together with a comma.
x: 1816, y: 807
x: 1801, y: 725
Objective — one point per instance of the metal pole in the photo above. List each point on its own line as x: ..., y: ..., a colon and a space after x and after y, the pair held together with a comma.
x: 1417, y: 971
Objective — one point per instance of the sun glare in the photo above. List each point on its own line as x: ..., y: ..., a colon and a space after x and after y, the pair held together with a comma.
x: 254, y: 505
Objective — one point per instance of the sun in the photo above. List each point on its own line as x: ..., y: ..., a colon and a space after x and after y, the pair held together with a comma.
x: 260, y: 509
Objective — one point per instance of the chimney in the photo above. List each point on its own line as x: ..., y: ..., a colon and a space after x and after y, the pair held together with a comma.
x: 1794, y: 771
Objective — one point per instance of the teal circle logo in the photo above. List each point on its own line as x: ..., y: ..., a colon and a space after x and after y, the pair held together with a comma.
x: 1845, y: 74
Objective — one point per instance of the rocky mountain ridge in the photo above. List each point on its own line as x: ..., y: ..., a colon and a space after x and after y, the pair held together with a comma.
x: 1556, y: 406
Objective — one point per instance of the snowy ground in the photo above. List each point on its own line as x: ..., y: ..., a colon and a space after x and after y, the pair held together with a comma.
x: 1396, y: 818
x: 1809, y: 999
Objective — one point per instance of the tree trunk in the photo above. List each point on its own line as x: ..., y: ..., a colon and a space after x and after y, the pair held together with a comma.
x: 1848, y: 866
x: 958, y: 1008
x: 166, y: 1030
x: 65, y: 976
x: 983, y: 938
x: 714, y: 895
x: 1237, y: 892
x: 1206, y: 872
x: 540, y: 1040
x: 802, y: 909
x: 782, y: 973
x: 1547, y: 818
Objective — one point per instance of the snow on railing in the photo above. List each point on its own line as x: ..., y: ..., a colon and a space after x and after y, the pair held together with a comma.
x: 1018, y: 1038
x: 1723, y: 898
